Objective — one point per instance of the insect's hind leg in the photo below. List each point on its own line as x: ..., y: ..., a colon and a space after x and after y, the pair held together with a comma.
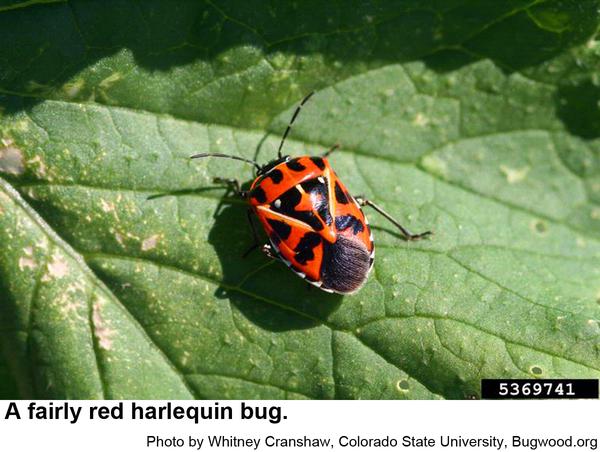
x: 330, y: 150
x: 361, y: 200
x: 232, y: 184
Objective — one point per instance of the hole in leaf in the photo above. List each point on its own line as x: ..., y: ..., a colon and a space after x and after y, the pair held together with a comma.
x: 536, y: 370
x: 539, y: 226
x: 403, y: 385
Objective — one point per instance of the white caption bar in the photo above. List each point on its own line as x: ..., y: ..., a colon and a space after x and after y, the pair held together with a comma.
x: 300, y: 425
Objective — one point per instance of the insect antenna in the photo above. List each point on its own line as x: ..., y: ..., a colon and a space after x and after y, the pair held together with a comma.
x: 226, y: 156
x: 298, y: 108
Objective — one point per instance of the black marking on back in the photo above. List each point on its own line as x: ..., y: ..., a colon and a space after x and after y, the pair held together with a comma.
x: 283, y: 230
x: 340, y: 196
x: 310, y: 219
x: 319, y: 193
x: 259, y: 194
x: 275, y: 175
x: 345, y: 265
x: 289, y: 200
x: 304, y: 250
x: 295, y: 165
x: 344, y: 222
x: 319, y: 162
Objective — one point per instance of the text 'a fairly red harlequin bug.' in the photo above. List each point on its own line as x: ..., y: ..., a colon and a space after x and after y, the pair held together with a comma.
x: 313, y: 223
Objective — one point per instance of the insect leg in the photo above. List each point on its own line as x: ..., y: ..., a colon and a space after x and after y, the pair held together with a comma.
x: 330, y: 150
x: 256, y: 243
x: 409, y: 235
x: 232, y: 184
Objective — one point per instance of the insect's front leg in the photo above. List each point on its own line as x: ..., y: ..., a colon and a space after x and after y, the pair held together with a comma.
x: 362, y: 201
x: 233, y: 185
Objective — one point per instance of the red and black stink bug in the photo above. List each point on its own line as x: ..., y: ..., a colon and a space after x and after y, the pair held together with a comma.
x: 313, y: 223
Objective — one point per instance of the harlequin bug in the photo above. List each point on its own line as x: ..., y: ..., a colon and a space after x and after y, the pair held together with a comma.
x: 313, y: 223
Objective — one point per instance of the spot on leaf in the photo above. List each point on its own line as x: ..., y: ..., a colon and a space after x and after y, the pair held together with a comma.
x: 11, y: 158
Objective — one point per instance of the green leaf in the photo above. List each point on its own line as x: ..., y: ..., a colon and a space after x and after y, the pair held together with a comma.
x: 69, y: 334
x: 8, y: 386
x: 120, y: 261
